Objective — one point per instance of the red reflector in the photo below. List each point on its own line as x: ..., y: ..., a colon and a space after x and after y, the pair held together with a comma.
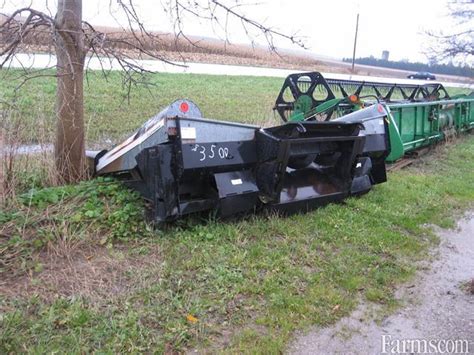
x: 184, y: 107
x: 380, y: 108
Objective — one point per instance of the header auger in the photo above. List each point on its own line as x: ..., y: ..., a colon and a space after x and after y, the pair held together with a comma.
x: 331, y: 146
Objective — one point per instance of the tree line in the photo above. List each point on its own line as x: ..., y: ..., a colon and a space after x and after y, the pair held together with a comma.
x: 447, y: 69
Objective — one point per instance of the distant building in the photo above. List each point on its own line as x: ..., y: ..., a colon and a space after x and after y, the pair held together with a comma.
x: 385, y: 55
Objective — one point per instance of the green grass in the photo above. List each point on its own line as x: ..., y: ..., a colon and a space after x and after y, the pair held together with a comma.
x: 250, y: 282
x: 111, y: 114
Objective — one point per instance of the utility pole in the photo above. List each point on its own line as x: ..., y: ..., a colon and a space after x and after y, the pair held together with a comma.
x: 355, y: 43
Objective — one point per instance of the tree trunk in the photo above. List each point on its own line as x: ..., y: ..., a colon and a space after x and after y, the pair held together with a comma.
x: 69, y: 43
x: 2, y: 163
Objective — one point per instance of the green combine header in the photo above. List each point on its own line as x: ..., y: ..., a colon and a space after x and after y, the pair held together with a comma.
x: 419, y: 115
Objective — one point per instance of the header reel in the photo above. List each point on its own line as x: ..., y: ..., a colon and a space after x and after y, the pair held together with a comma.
x: 309, y: 96
x: 300, y: 93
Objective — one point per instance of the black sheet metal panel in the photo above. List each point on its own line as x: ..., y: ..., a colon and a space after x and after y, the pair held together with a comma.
x: 158, y: 181
x: 218, y: 154
x: 361, y: 182
x: 238, y: 191
x: 154, y: 131
x: 377, y: 140
x: 235, y: 183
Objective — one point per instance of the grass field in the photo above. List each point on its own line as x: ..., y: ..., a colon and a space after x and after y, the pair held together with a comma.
x: 111, y: 115
x: 81, y: 271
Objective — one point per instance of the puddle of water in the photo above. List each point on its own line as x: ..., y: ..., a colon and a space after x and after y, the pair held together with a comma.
x: 27, y: 149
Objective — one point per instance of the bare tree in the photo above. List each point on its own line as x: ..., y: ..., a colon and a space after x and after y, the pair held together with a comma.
x: 74, y: 40
x: 2, y: 174
x: 70, y: 53
x: 458, y: 42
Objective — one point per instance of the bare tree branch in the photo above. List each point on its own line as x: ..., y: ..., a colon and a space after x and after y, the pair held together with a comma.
x: 76, y: 42
x: 458, y: 44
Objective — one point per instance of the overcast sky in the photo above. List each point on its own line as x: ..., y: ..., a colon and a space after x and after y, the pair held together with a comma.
x: 327, y: 25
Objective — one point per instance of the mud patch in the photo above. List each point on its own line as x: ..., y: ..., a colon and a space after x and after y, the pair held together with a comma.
x: 95, y: 273
x: 468, y: 287
x: 434, y: 305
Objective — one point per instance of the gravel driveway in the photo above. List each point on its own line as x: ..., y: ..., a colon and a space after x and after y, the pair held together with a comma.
x: 437, y: 305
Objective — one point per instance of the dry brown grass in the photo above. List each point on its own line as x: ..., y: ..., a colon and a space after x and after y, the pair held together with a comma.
x: 79, y: 269
x: 170, y: 46
x: 470, y: 287
x: 46, y: 250
x: 21, y: 170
